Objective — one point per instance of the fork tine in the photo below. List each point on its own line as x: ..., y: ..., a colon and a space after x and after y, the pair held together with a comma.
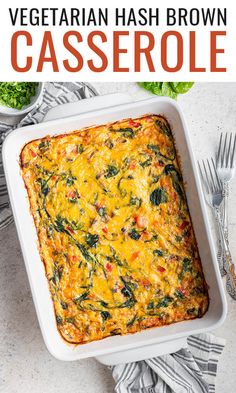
x: 212, y: 177
x: 216, y: 175
x: 233, y: 153
x: 224, y: 149
x: 228, y: 151
x: 209, y: 184
x: 219, y: 150
x: 202, y: 177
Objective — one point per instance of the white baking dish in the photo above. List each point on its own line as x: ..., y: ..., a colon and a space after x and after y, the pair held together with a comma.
x: 150, y: 342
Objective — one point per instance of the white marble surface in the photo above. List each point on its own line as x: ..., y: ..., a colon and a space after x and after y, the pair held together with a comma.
x: 25, y: 364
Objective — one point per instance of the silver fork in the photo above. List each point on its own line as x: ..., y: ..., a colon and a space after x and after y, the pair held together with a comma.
x: 225, y: 169
x: 214, y: 195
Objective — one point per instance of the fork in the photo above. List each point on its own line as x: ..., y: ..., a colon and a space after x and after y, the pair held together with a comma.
x: 214, y: 195
x: 225, y: 170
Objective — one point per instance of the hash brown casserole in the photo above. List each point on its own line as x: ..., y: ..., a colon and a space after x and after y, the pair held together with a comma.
x: 114, y: 229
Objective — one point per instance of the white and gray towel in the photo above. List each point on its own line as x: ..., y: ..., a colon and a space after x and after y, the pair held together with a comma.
x: 190, y: 370
x: 54, y: 94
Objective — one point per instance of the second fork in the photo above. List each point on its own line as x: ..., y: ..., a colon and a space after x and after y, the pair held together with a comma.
x: 225, y: 170
x: 213, y: 191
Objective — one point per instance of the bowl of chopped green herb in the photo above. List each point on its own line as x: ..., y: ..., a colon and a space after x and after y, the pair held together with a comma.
x: 18, y: 98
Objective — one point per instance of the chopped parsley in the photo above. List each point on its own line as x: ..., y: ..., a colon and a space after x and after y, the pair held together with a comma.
x: 17, y: 94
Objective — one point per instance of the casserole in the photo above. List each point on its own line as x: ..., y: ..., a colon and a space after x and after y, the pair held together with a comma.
x: 114, y: 229
x: 141, y: 345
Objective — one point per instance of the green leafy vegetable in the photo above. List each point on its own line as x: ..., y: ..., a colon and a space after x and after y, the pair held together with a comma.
x: 91, y: 239
x: 158, y: 196
x: 178, y: 189
x: 57, y: 274
x: 105, y: 315
x: 193, y: 311
x: 59, y: 320
x: 187, y: 265
x: 181, y: 87
x: 150, y: 306
x: 134, y: 234
x: 171, y: 169
x: 131, y: 322
x: 169, y: 89
x: 128, y: 304
x: 44, y: 146
x: 179, y: 294
x: 102, y: 211
x: 164, y: 302
x: 111, y: 171
x: 164, y: 127
x: 135, y: 201
x: 70, y: 180
x: 44, y: 186
x: 64, y: 305
x: 153, y: 148
x: 126, y: 132
x: 126, y: 290
x: 17, y: 94
x: 81, y: 297
x: 146, y: 163
x: 59, y: 224
x: 159, y: 253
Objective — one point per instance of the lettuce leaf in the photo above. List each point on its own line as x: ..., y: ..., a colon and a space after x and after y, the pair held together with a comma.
x: 169, y: 89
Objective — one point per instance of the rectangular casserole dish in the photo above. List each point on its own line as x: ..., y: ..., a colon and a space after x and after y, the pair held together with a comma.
x: 149, y: 342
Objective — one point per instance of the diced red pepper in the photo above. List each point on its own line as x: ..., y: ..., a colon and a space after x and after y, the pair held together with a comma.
x: 70, y: 229
x: 173, y: 258
x: 109, y: 267
x: 135, y: 255
x: 33, y: 154
x: 161, y: 269
x: 183, y: 291
x: 184, y: 225
x: 133, y: 123
x: 105, y: 230
x: 97, y: 206
x: 141, y: 221
x: 75, y: 150
x: 145, y: 282
x: 132, y: 165
x: 72, y: 194
x: 73, y: 258
x: 159, y: 164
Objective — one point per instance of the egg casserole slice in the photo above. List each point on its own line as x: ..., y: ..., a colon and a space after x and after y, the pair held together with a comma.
x: 114, y: 229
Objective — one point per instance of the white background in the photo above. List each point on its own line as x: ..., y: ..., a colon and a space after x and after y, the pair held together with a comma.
x: 228, y: 59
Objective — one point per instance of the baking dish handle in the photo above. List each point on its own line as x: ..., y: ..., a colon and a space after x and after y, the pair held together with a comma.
x: 142, y: 353
x: 87, y: 105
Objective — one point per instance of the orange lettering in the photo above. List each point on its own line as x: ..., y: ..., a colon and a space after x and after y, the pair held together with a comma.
x: 164, y: 51
x: 47, y: 43
x: 14, y: 56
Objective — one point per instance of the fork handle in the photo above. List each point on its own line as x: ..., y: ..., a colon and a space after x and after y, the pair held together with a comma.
x: 225, y: 210
x: 229, y: 265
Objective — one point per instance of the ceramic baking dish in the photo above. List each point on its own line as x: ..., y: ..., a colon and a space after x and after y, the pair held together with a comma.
x: 150, y: 342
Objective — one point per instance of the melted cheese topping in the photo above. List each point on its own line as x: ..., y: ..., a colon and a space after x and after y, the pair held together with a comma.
x: 114, y: 229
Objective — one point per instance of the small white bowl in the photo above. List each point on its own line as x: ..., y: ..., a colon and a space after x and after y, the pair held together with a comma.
x: 35, y: 100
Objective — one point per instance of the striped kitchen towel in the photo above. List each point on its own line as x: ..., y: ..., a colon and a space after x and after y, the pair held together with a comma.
x: 54, y: 94
x: 190, y: 370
